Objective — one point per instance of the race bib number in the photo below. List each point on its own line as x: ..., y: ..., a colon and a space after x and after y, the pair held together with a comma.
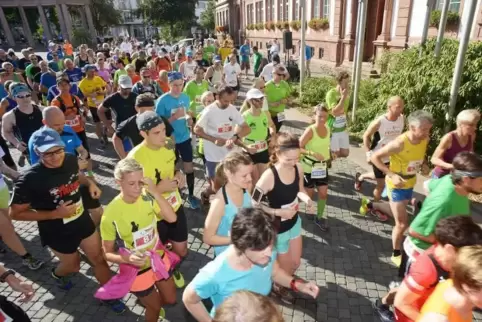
x: 144, y: 238
x: 318, y: 171
x: 414, y: 166
x: 225, y: 128
x: 281, y: 117
x: 4, y: 317
x: 294, y: 205
x: 340, y: 121
x: 260, y: 146
x: 173, y: 199
x: 198, y: 99
x: 78, y: 212
x: 73, y: 122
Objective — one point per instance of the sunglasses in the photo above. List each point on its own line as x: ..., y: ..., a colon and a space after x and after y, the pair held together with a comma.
x: 24, y: 96
x: 53, y: 153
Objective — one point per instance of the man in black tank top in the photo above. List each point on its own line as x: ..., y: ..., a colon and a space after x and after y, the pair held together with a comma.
x: 19, y: 124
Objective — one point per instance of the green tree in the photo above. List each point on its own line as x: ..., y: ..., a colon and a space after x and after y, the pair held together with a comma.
x: 105, y: 15
x: 207, y: 16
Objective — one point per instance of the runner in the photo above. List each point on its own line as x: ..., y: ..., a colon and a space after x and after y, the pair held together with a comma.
x: 234, y: 171
x: 245, y: 53
x: 130, y: 220
x: 54, y: 90
x: 94, y: 89
x: 214, y: 73
x: 407, y: 154
x: 452, y: 143
x: 173, y: 106
x: 10, y: 74
x: 19, y: 124
x: 220, y: 126
x: 187, y: 67
x: 82, y: 59
x: 277, y: 93
x: 9, y: 311
x: 131, y: 72
x: 379, y: 133
x: 120, y: 70
x: 338, y: 99
x: 262, y: 127
x: 128, y: 129
x: 455, y: 299
x: 73, y: 73
x: 177, y: 62
x: 434, y: 265
x: 146, y: 84
x: 194, y: 90
x: 248, y: 264
x: 64, y: 225
x: 282, y: 185
x: 315, y: 148
x: 158, y: 163
x: 231, y: 73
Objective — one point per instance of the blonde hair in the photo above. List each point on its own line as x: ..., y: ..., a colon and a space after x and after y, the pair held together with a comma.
x: 151, y: 64
x: 320, y: 108
x: 466, y: 270
x: 256, y: 84
x: 130, y: 66
x: 468, y: 116
x: 162, y: 74
x: 245, y: 306
x: 205, y: 95
x: 231, y: 163
x: 126, y: 166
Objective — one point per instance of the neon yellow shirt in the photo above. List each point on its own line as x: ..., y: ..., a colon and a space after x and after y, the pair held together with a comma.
x: 89, y: 87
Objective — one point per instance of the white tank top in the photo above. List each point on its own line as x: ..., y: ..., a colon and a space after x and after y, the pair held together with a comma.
x: 388, y: 131
x: 217, y: 76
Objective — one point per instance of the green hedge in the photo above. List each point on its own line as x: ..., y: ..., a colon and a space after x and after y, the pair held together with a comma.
x: 423, y: 82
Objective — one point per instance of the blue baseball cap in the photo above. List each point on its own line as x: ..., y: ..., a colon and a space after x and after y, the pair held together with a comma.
x: 89, y: 67
x: 17, y: 88
x: 189, y: 53
x: 46, y: 138
x: 217, y: 59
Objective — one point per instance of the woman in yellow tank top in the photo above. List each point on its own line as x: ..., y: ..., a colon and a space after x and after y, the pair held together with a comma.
x: 454, y: 299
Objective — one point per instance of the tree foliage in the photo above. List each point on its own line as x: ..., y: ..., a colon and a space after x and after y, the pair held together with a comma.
x: 207, y: 16
x: 104, y: 15
x: 168, y: 12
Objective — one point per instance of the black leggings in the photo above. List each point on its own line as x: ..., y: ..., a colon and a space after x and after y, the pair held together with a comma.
x: 7, y: 158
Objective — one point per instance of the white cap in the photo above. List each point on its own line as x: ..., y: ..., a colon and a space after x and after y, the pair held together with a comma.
x: 254, y: 93
x: 125, y: 81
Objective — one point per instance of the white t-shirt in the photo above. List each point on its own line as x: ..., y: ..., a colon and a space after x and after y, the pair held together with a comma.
x: 231, y: 73
x: 274, y: 49
x: 267, y: 72
x: 188, y: 71
x: 126, y: 47
x: 218, y: 123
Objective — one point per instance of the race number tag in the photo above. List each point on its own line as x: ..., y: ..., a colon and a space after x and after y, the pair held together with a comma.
x: 414, y: 166
x: 4, y: 317
x: 340, y: 121
x: 281, y: 117
x: 225, y: 128
x: 260, y: 146
x: 78, y: 212
x: 294, y: 205
x: 144, y: 238
x: 198, y: 99
x: 173, y: 199
x: 318, y: 171
x: 73, y: 122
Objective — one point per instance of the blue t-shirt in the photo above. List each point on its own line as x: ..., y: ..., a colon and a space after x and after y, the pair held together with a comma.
x: 54, y: 91
x: 53, y: 65
x: 166, y: 106
x: 75, y: 75
x: 307, y: 52
x: 244, y: 52
x: 218, y: 280
x: 230, y: 211
x: 48, y: 80
x: 69, y: 137
x: 3, y: 92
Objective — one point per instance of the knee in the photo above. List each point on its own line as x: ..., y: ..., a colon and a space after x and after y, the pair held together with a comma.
x: 97, y: 260
x: 170, y: 299
x: 402, y: 226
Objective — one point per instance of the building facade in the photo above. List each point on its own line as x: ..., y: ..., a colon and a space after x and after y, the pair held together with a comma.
x: 331, y: 30
x: 132, y: 24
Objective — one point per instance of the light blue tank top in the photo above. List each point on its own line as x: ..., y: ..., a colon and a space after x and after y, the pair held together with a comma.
x: 230, y: 211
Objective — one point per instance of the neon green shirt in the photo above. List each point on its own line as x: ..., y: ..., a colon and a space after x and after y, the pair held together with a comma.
x: 332, y: 99
x: 118, y: 74
x: 195, y: 90
x: 274, y: 93
x: 209, y: 52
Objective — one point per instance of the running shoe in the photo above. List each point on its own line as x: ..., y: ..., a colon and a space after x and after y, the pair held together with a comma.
x: 195, y: 204
x: 32, y: 263
x: 178, y: 278
x: 397, y: 260
x: 383, y: 311
x: 322, y: 223
x: 117, y: 306
x: 358, y: 183
x: 63, y: 282
x: 365, y: 206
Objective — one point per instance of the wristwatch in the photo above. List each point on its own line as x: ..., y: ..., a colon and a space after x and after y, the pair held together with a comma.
x: 4, y: 276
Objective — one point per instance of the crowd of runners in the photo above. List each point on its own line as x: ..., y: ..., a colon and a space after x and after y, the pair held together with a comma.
x: 159, y: 110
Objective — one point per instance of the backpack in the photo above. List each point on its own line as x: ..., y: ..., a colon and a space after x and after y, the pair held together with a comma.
x: 75, y: 102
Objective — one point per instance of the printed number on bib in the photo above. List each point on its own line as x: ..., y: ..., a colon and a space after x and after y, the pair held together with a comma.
x: 78, y: 212
x: 340, y: 121
x: 4, y: 317
x: 144, y: 238
x: 198, y: 99
x: 414, y: 166
x: 260, y: 146
x: 73, y: 122
x: 281, y: 117
x: 225, y: 128
x: 173, y: 199
x: 294, y: 205
x: 318, y: 171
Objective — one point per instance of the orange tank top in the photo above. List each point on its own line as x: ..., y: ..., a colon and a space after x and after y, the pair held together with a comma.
x: 437, y: 303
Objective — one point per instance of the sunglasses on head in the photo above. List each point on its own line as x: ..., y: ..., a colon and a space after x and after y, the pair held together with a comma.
x: 24, y: 96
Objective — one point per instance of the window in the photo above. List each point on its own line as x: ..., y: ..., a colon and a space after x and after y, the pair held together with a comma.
x: 316, y: 8
x: 297, y: 12
x: 326, y: 9
x: 280, y: 10
x: 287, y: 10
x: 250, y: 14
x: 454, y: 5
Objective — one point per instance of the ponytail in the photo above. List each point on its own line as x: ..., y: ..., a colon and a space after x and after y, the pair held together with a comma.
x: 284, y: 141
x: 220, y: 176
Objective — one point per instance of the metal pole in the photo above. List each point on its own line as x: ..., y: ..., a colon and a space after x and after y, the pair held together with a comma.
x: 355, y: 64
x: 441, y: 28
x: 360, y: 38
x: 302, y: 10
x: 459, y: 64
x: 426, y: 25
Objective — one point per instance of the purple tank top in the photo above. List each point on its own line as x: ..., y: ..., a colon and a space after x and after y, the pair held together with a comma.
x: 451, y: 152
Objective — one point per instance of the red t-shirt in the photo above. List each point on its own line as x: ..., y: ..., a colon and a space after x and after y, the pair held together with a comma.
x: 422, y: 278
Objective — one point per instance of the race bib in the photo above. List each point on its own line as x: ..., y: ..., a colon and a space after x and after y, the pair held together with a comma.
x: 4, y: 317
x: 318, y: 171
x: 173, y: 199
x: 414, y: 166
x: 281, y: 117
x: 294, y: 205
x: 260, y: 146
x: 198, y: 99
x: 225, y: 128
x: 73, y: 122
x: 340, y: 121
x: 78, y: 212
x: 144, y: 238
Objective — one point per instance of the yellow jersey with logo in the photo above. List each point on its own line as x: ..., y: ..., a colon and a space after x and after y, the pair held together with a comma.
x: 408, y: 162
x: 89, y: 87
x: 158, y: 165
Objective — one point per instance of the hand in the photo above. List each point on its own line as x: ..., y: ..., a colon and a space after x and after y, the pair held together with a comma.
x: 251, y: 150
x: 166, y: 185
x: 94, y: 191
x: 22, y: 287
x: 65, y: 210
x: 150, y: 185
x: 21, y: 147
x: 137, y: 259
x: 181, y: 179
x: 318, y: 156
x: 345, y: 92
x: 83, y: 164
x: 286, y: 213
x: 310, y: 205
x: 308, y: 288
x: 179, y: 114
x: 284, y: 101
x: 397, y: 180
x: 220, y: 142
x: 229, y: 144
